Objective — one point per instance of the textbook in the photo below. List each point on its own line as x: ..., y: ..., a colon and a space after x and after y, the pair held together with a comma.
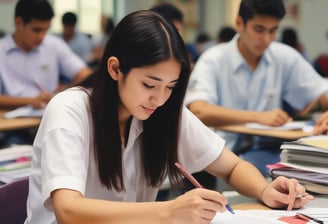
x: 306, y: 160
x: 26, y: 111
x: 312, y: 181
x: 15, y: 162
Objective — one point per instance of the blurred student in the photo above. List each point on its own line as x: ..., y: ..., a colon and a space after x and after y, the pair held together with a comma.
x: 247, y: 80
x: 320, y: 64
x: 225, y: 34
x: 79, y: 42
x: 31, y: 60
x: 104, y: 148
x: 99, y: 41
x: 289, y: 36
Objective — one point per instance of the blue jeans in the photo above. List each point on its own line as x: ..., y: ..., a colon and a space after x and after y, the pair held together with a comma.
x: 262, y: 153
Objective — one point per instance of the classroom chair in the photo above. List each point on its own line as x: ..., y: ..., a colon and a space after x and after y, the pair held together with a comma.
x: 13, y: 198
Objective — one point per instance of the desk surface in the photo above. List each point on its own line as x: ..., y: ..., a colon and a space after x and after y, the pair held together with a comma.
x: 283, y: 134
x: 17, y: 123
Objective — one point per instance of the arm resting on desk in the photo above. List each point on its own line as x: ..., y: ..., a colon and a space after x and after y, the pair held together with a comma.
x: 215, y: 115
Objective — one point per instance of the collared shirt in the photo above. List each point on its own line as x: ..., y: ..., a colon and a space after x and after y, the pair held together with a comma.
x: 222, y: 77
x: 24, y: 74
x: 64, y: 155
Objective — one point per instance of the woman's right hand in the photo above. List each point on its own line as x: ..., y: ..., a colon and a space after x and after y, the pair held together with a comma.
x: 196, y: 206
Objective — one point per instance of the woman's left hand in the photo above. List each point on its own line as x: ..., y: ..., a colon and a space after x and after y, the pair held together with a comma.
x: 284, y: 192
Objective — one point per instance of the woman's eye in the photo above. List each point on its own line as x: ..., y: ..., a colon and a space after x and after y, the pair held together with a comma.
x: 148, y: 86
x: 171, y: 87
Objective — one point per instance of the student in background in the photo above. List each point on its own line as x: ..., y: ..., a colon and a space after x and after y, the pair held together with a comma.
x: 99, y: 41
x: 104, y: 148
x: 225, y: 34
x: 320, y: 64
x: 174, y: 16
x: 247, y: 79
x: 289, y: 36
x: 31, y: 60
x: 79, y: 42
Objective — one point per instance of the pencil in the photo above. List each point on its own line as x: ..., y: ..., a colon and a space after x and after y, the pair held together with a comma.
x: 187, y: 175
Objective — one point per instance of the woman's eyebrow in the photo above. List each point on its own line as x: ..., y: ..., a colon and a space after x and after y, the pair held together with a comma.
x: 159, y: 79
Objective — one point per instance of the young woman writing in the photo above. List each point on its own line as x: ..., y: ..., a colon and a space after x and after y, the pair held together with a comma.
x: 104, y: 148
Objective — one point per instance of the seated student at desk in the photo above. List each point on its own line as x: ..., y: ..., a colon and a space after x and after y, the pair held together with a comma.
x: 104, y: 148
x: 248, y: 78
x: 31, y: 60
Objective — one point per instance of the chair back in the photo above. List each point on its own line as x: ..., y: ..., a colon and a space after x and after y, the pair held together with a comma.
x: 13, y: 197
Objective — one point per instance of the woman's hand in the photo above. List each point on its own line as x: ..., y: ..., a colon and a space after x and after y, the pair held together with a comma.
x: 197, y: 206
x: 284, y: 192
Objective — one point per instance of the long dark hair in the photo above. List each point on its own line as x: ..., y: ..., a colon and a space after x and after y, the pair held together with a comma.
x: 142, y: 38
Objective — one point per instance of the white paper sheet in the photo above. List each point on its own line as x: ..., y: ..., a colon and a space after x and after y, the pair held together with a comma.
x: 267, y: 216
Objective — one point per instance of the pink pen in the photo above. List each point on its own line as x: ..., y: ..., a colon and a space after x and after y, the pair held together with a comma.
x: 187, y: 175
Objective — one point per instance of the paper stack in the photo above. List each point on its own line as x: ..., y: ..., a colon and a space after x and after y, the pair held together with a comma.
x: 15, y: 162
x: 307, y: 161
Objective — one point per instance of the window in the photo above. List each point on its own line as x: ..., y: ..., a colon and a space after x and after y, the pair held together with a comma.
x: 89, y: 13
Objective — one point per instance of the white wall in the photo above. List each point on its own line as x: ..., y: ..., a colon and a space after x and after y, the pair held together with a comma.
x: 313, y: 26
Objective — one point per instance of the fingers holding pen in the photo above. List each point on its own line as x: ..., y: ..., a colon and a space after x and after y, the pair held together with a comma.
x: 286, y: 192
x: 199, y: 205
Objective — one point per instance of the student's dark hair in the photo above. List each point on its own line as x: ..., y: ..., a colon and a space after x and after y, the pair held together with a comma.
x: 33, y: 9
x: 289, y: 37
x: 142, y: 38
x: 109, y: 26
x: 225, y: 34
x: 249, y: 8
x: 69, y: 19
x: 168, y: 11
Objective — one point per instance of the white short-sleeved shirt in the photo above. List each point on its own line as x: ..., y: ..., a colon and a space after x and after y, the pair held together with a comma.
x: 63, y: 155
x: 23, y: 74
x: 222, y: 77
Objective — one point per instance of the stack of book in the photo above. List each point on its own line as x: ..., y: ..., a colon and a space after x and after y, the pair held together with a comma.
x: 307, y: 161
x: 15, y: 163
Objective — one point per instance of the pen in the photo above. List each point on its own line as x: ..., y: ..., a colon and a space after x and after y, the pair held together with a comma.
x: 187, y: 175
x: 308, y: 218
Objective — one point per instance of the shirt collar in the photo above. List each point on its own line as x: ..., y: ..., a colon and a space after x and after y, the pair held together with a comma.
x: 10, y: 45
x: 239, y: 61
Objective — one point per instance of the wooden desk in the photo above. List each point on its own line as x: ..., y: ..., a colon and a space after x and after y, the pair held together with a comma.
x: 283, y: 134
x: 17, y: 123
x: 250, y: 205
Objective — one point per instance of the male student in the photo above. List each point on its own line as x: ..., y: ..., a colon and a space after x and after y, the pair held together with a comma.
x: 79, y: 42
x: 31, y: 60
x: 247, y: 79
